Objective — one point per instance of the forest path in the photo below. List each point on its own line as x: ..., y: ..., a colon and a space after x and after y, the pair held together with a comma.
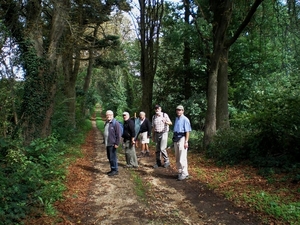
x: 140, y: 196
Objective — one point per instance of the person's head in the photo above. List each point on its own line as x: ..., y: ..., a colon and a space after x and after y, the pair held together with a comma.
x: 179, y: 110
x: 142, y: 115
x: 109, y: 115
x: 157, y: 109
x: 126, y: 115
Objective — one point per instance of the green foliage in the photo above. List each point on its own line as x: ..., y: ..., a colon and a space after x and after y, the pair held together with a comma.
x: 100, y: 124
x: 60, y: 123
x: 112, y: 90
x: 29, y: 174
x: 268, y: 135
x: 175, y: 82
x: 273, y: 205
x: 229, y: 147
x: 195, y: 143
x: 32, y: 177
x: 91, y: 99
x: 37, y: 98
x: 11, y: 92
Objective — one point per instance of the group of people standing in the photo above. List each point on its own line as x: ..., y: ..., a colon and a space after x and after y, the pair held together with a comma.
x: 158, y: 129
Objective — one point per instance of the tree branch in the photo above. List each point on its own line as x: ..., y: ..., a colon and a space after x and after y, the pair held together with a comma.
x: 244, y: 23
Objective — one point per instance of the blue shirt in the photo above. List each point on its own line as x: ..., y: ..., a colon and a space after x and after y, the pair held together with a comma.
x: 182, y: 124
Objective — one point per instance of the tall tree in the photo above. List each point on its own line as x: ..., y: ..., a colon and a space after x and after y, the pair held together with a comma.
x: 217, y: 97
x: 39, y: 48
x: 151, y: 13
x: 187, y: 55
x: 84, y: 42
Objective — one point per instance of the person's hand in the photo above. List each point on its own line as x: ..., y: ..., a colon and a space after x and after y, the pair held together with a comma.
x: 186, y: 145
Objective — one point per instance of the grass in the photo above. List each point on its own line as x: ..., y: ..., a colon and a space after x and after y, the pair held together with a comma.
x: 140, y: 187
x: 274, y: 205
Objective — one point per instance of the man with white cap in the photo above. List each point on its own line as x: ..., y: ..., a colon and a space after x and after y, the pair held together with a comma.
x: 182, y: 129
x: 112, y: 134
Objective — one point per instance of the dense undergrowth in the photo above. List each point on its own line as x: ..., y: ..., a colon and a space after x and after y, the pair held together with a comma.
x: 32, y: 177
x: 269, y: 142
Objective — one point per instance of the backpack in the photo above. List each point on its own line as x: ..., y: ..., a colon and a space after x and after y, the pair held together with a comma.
x: 121, y: 126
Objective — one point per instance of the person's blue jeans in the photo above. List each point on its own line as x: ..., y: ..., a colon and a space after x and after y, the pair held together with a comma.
x: 112, y: 157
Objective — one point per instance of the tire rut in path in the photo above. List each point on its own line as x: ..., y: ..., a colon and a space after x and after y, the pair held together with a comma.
x: 113, y: 200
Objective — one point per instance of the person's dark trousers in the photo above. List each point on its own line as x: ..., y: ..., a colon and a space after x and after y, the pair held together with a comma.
x: 112, y: 157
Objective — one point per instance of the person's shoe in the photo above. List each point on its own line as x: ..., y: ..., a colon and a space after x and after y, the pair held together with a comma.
x: 128, y: 166
x: 166, y: 165
x: 147, y: 154
x: 109, y: 172
x: 113, y: 173
x: 181, y: 177
x: 156, y: 166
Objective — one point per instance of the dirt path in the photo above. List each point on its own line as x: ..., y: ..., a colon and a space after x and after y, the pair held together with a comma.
x: 142, y: 196
x: 152, y: 196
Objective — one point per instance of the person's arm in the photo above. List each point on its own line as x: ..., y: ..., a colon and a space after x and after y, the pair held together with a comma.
x: 153, y: 129
x: 187, y: 136
x: 186, y: 143
x: 187, y: 128
x: 168, y: 121
x: 132, y: 131
x: 118, y: 134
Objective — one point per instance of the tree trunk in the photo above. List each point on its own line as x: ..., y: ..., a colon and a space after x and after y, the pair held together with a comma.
x: 57, y: 29
x: 210, y: 118
x: 87, y: 79
x: 147, y: 87
x: 41, y: 78
x: 187, y: 91
x: 151, y: 13
x: 222, y: 96
x: 71, y: 68
x: 222, y: 14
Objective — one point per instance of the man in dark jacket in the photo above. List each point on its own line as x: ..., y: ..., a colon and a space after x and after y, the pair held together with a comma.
x: 129, y: 142
x: 112, y: 136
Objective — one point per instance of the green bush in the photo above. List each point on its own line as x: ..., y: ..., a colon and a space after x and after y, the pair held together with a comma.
x: 195, y: 140
x: 229, y: 147
x: 30, y: 174
x: 268, y: 137
x: 279, y: 126
x: 32, y: 177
